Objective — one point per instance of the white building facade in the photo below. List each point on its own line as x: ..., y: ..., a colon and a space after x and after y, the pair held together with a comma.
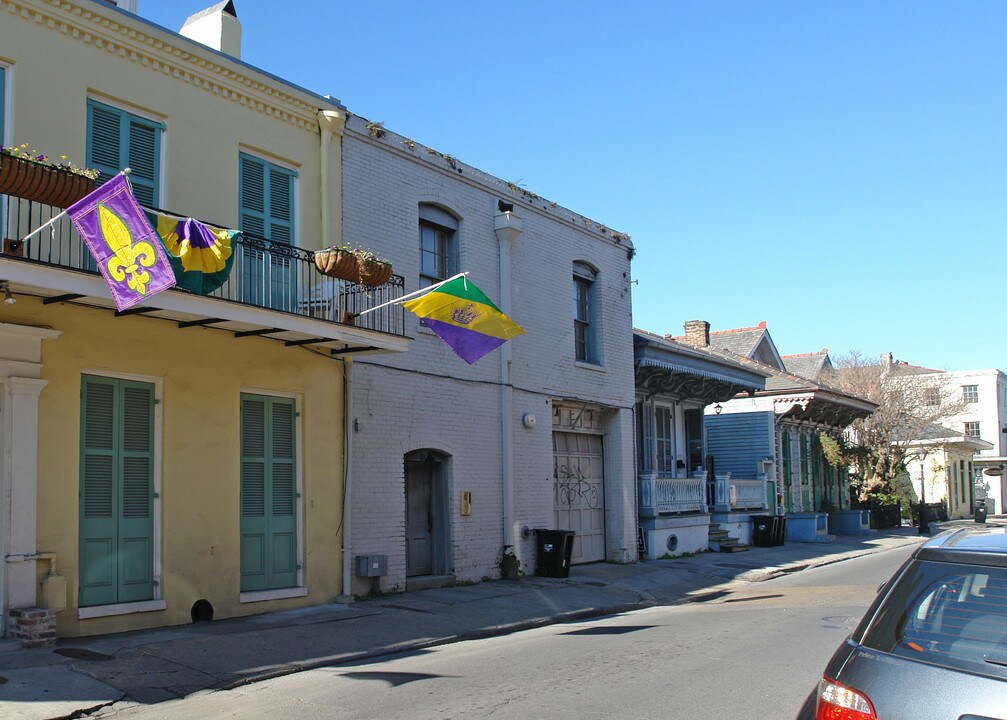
x: 452, y: 464
x: 982, y: 395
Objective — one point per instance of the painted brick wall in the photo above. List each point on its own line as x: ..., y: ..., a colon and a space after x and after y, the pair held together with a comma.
x: 428, y: 398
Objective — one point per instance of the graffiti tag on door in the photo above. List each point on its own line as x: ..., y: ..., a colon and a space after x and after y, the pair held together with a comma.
x: 573, y: 489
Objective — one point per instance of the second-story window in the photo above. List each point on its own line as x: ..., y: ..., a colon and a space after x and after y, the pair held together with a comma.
x: 664, y: 441
x: 931, y: 397
x: 970, y: 393
x: 116, y: 140
x: 972, y: 429
x: 438, y: 245
x: 584, y: 321
x: 266, y: 212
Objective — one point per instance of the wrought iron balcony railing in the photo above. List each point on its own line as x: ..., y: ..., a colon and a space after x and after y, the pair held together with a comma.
x: 265, y: 274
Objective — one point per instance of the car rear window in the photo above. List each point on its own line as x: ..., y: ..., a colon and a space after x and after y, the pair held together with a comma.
x: 948, y: 614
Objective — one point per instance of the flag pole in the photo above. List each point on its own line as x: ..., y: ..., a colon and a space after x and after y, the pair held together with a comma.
x: 40, y: 228
x: 421, y: 291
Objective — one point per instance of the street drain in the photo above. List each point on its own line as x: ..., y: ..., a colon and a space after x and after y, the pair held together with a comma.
x: 82, y: 654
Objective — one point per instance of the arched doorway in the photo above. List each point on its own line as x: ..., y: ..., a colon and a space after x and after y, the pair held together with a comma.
x: 426, y: 513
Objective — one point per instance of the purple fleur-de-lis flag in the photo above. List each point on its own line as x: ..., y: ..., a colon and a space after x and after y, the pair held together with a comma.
x: 122, y: 242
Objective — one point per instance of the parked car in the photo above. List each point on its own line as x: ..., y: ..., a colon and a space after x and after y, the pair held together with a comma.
x: 934, y: 642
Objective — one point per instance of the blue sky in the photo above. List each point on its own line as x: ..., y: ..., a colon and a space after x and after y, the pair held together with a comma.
x: 837, y: 169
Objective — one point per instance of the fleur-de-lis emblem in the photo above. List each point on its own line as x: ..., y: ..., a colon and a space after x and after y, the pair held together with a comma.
x: 130, y: 258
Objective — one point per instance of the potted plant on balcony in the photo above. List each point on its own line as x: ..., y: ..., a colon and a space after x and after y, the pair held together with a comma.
x: 28, y: 174
x: 349, y: 262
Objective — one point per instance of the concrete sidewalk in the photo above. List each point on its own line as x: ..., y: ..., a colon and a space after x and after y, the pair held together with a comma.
x: 146, y: 667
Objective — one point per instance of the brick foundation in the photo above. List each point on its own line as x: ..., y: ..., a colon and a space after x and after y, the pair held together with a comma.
x: 34, y: 627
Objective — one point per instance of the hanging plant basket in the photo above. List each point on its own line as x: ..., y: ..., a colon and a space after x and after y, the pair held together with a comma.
x: 42, y: 183
x: 345, y: 265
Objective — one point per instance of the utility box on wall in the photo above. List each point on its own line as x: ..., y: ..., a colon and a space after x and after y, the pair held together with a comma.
x: 372, y: 565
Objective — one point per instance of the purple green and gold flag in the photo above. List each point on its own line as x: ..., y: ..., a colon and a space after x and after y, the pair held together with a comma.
x: 464, y: 318
x: 200, y: 256
x: 122, y: 242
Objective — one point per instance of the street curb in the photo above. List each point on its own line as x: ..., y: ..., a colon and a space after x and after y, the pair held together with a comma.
x: 481, y: 634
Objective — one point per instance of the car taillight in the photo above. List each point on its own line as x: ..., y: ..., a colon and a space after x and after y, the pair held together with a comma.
x: 838, y: 702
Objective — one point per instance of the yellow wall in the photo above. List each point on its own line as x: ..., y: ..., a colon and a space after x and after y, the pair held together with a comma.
x: 211, y: 107
x: 203, y: 373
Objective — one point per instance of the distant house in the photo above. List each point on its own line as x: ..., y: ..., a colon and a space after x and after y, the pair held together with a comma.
x: 454, y: 466
x: 940, y: 468
x: 778, y: 429
x: 685, y: 506
x: 976, y: 403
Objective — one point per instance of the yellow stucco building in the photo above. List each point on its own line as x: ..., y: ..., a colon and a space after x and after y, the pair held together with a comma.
x: 183, y: 457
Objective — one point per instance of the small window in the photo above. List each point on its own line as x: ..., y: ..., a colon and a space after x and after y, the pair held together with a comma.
x: 931, y: 397
x: 584, y: 320
x: 438, y: 245
x: 972, y: 429
x: 970, y: 393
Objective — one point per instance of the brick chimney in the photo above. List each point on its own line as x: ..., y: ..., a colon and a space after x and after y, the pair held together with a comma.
x: 697, y: 333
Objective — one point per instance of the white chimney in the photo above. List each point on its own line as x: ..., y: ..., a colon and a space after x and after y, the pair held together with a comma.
x: 216, y: 27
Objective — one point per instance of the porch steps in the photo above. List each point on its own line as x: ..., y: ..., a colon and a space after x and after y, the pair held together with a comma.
x: 720, y: 541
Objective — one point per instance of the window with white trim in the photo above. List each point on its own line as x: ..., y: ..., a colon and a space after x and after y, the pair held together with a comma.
x: 972, y: 429
x: 584, y: 313
x: 438, y: 244
x: 970, y: 393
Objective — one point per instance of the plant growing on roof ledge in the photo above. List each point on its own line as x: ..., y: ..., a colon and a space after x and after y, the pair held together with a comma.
x: 353, y: 263
x: 28, y: 174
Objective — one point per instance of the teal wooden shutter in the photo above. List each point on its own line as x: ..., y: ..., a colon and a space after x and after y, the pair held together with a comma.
x: 116, y: 491
x: 98, y: 537
x: 268, y: 494
x: 3, y: 108
x: 116, y: 140
x: 266, y: 209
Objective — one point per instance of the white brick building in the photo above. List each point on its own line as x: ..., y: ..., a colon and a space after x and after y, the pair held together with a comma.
x: 530, y: 436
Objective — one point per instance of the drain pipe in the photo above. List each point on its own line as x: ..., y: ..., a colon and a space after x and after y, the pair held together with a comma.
x: 507, y: 227
x: 330, y: 122
x: 347, y: 595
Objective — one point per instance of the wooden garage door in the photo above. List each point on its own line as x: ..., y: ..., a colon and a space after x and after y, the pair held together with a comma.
x: 579, y: 492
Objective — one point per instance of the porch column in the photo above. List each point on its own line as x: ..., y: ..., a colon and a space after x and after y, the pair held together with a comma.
x: 21, y: 521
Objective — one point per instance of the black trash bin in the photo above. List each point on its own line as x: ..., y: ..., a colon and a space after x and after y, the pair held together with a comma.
x: 555, y: 548
x: 980, y: 515
x: 763, y: 530
x: 781, y: 529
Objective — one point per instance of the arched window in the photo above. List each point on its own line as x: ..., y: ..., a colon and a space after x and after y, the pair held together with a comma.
x: 438, y: 244
x: 584, y: 313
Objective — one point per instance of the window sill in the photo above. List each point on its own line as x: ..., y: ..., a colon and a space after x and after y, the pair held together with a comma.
x: 97, y: 611
x: 279, y: 594
x: 588, y: 366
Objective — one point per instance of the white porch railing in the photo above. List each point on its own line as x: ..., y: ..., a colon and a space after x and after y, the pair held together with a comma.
x: 732, y: 493
x: 672, y: 495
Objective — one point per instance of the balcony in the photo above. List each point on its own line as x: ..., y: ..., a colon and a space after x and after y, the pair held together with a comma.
x: 671, y: 496
x: 273, y: 289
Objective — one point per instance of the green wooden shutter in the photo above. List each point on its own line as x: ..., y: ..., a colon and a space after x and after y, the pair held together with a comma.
x: 268, y: 493
x: 98, y: 533
x: 266, y: 209
x: 116, y: 491
x: 136, y: 518
x: 3, y: 108
x: 116, y: 139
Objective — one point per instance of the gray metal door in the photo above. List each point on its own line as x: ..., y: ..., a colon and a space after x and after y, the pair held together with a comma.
x: 579, y: 492
x: 419, y: 518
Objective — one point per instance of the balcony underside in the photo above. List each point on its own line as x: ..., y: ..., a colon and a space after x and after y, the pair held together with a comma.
x: 185, y: 310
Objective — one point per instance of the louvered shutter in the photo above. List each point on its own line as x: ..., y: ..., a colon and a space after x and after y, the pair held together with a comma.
x: 252, y: 195
x: 116, y: 491
x: 283, y: 526
x: 266, y: 198
x: 116, y: 140
x: 98, y: 532
x: 136, y: 520
x: 268, y: 494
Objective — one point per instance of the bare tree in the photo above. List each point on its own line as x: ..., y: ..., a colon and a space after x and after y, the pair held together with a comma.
x: 911, y: 401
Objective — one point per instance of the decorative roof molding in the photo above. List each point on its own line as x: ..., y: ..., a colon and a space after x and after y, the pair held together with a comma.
x: 159, y: 50
x: 781, y: 406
